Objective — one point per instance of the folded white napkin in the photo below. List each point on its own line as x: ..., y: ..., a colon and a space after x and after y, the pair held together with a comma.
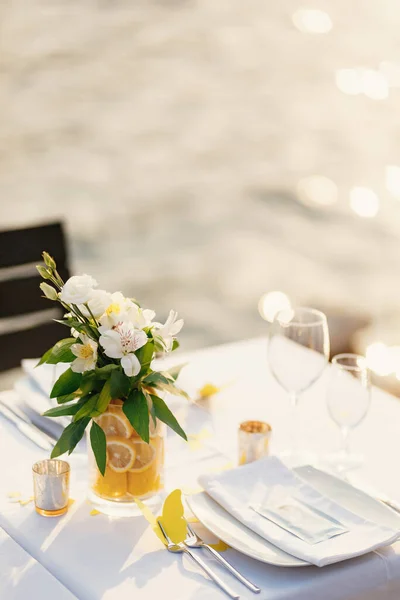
x: 258, y: 483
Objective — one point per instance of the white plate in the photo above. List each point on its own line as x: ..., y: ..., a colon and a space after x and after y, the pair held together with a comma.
x: 241, y: 538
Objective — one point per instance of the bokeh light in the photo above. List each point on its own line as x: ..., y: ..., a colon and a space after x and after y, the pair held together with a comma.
x: 271, y: 303
x: 364, y: 202
x: 370, y: 82
x: 317, y: 190
x: 349, y: 81
x: 309, y: 20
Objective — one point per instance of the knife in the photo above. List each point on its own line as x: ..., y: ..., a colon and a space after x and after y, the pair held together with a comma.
x: 381, y: 497
x: 29, y: 430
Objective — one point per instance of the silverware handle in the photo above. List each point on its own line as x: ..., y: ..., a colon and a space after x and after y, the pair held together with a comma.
x: 212, y: 575
x: 36, y: 436
x: 232, y: 570
x: 391, y: 504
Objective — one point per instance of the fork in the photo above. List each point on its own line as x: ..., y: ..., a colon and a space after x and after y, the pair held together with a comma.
x: 183, y: 548
x: 193, y: 541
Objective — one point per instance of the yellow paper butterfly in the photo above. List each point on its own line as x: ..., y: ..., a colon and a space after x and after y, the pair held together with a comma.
x: 172, y: 517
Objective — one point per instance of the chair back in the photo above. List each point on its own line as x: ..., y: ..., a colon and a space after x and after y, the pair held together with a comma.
x: 26, y: 326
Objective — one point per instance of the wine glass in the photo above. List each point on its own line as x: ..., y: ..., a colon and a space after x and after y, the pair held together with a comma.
x: 298, y: 352
x: 348, y: 401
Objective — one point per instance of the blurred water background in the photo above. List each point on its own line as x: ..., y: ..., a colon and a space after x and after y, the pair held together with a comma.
x: 204, y: 153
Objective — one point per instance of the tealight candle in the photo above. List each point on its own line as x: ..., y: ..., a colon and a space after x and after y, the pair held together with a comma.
x: 51, y: 487
x: 254, y: 437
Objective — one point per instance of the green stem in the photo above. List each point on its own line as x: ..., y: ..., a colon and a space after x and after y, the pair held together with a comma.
x: 60, y: 281
x: 91, y: 314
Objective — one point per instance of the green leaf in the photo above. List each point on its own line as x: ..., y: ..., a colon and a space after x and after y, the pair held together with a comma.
x: 67, y: 383
x: 151, y: 408
x: 159, y: 345
x: 104, y: 372
x: 87, y: 407
x: 71, y: 435
x: 155, y: 378
x: 145, y: 356
x: 88, y: 383
x: 137, y: 411
x: 60, y: 411
x: 163, y: 413
x: 70, y: 322
x: 119, y: 384
x: 175, y: 371
x: 99, y: 446
x: 44, y: 358
x: 66, y: 398
x: 61, y: 352
x: 175, y: 345
x: 104, y: 398
x: 171, y: 388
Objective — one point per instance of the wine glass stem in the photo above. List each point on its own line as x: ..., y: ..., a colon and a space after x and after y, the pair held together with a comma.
x: 345, y: 441
x: 294, y: 398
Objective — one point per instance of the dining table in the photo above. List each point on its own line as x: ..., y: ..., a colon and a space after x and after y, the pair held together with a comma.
x: 91, y: 556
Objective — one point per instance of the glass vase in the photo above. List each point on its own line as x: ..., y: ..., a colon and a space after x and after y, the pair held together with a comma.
x: 134, y: 468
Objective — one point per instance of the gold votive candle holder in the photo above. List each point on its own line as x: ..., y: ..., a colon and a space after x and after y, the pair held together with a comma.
x: 51, y: 487
x: 254, y: 438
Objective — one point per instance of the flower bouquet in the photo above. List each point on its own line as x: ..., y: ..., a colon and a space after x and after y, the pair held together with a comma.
x: 111, y: 386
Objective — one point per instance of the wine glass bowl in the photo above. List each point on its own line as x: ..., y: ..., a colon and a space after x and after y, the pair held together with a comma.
x: 298, y: 352
x: 298, y: 348
x: 348, y: 400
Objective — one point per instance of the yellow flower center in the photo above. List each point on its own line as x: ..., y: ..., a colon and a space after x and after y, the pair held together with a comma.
x: 86, y: 351
x: 113, y: 308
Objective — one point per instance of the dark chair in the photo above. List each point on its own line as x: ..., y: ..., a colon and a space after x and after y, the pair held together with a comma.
x: 26, y: 326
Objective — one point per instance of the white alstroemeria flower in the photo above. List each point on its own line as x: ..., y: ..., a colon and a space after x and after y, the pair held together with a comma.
x: 78, y: 289
x: 98, y: 303
x: 121, y: 342
x: 130, y: 364
x: 169, y: 330
x: 122, y: 339
x: 86, y: 355
x: 143, y: 317
x: 119, y: 310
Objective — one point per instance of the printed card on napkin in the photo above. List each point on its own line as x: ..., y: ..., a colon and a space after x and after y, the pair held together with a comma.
x: 256, y: 485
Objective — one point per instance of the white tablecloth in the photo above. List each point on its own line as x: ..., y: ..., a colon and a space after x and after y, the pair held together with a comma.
x: 22, y: 577
x: 97, y: 557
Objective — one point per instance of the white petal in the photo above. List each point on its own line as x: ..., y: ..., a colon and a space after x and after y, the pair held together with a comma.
x: 98, y: 302
x: 111, y: 342
x: 76, y: 350
x: 78, y: 289
x: 176, y: 327
x: 139, y: 340
x: 130, y: 365
x: 79, y: 365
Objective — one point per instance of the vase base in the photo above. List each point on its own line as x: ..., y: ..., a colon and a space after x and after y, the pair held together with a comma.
x: 115, y: 508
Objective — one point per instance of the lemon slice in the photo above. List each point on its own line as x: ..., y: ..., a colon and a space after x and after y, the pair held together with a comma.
x: 121, y: 454
x: 145, y: 455
x: 114, y: 422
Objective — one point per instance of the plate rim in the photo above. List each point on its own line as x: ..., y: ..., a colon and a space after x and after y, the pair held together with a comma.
x: 299, y: 470
x: 298, y: 563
